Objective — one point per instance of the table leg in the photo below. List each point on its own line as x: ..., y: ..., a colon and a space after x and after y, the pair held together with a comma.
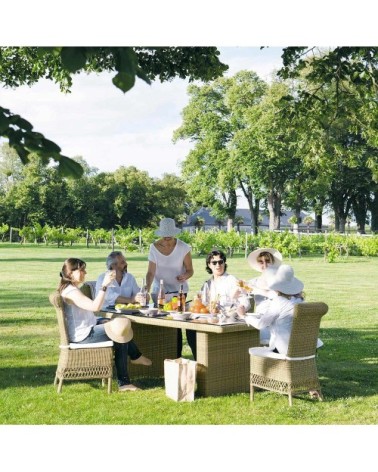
x: 156, y: 343
x: 223, y: 362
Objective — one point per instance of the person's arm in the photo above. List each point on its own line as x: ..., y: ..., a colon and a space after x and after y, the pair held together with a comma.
x: 188, y: 264
x: 79, y: 299
x: 134, y: 290
x: 268, y: 311
x: 150, y: 275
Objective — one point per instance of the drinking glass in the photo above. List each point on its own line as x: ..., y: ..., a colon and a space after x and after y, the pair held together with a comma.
x: 113, y: 282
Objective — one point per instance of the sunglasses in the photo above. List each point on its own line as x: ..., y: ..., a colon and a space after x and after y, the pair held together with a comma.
x: 217, y: 262
x: 260, y: 261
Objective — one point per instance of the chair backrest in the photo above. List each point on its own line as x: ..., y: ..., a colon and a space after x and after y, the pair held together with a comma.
x: 89, y: 289
x: 57, y: 301
x: 305, y: 329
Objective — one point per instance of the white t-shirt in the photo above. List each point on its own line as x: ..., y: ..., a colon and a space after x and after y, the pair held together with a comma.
x: 225, y: 287
x: 79, y: 321
x: 128, y: 288
x: 169, y: 267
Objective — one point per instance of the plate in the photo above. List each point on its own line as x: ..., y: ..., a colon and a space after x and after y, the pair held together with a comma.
x: 177, y: 316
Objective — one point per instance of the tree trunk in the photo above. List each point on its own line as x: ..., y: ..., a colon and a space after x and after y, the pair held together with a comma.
x: 341, y: 205
x: 373, y: 207
x: 342, y: 224
x: 253, y: 208
x: 318, y: 222
x: 256, y: 214
x: 232, y: 203
x: 274, y: 207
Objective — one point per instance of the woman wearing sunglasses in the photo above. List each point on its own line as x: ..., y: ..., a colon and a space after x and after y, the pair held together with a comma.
x: 222, y: 286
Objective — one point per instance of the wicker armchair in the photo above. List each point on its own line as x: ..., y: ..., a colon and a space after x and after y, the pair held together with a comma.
x: 80, y: 361
x: 296, y: 372
x: 89, y: 289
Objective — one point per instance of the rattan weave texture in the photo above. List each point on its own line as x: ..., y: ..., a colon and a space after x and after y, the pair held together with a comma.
x: 292, y: 376
x: 76, y: 364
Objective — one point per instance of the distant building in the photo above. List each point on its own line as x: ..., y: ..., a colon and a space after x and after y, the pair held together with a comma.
x: 210, y: 222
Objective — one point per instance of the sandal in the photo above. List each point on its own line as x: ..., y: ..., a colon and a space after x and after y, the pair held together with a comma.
x: 314, y: 394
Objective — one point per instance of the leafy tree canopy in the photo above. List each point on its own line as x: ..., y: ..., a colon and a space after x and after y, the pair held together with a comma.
x: 27, y: 65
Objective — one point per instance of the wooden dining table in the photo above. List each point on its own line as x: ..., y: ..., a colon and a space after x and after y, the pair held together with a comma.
x: 222, y: 350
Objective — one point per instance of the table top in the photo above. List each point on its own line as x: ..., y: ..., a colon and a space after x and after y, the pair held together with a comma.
x: 195, y: 325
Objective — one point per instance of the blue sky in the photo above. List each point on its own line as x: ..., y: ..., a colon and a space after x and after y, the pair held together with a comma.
x: 108, y: 128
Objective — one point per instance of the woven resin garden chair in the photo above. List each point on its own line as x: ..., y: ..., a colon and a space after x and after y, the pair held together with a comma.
x: 296, y: 372
x: 80, y: 361
x: 89, y: 289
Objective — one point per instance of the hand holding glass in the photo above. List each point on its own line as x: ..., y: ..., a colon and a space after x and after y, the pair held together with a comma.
x: 109, y: 279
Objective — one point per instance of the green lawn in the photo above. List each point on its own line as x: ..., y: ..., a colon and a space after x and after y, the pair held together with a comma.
x: 29, y: 351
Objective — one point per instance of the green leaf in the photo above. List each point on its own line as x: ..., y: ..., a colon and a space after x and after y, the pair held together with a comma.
x: 73, y: 59
x: 50, y: 146
x: 142, y: 75
x: 69, y: 168
x: 22, y: 123
x: 22, y: 153
x: 124, y: 81
x: 127, y: 60
x: 4, y: 123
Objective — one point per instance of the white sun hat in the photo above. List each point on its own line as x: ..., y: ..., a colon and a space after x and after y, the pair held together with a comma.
x: 252, y: 258
x: 119, y: 329
x: 284, y: 281
x: 167, y: 227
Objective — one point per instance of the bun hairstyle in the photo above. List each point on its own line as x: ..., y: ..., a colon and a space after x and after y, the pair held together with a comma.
x: 211, y: 254
x: 69, y: 266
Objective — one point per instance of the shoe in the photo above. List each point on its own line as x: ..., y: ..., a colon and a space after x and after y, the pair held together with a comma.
x: 128, y: 388
x: 142, y: 360
x: 314, y: 394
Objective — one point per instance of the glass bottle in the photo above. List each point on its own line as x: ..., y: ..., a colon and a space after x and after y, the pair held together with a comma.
x: 143, y: 291
x: 205, y: 295
x: 161, y: 296
x: 181, y: 300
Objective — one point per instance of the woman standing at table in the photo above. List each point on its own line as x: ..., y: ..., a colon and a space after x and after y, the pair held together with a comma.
x: 170, y: 260
x: 82, y: 322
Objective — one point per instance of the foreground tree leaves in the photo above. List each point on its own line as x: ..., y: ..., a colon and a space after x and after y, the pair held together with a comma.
x: 27, y: 65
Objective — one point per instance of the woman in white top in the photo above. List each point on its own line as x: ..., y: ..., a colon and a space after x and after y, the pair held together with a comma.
x: 83, y: 325
x: 277, y: 312
x: 170, y: 260
x: 222, y: 287
x: 260, y: 260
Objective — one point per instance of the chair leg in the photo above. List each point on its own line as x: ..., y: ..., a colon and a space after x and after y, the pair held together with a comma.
x: 109, y: 385
x: 56, y: 379
x: 290, y: 399
x: 252, y: 393
x: 60, y: 385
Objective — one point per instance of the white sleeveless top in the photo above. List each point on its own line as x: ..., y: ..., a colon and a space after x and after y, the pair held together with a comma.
x: 79, y: 321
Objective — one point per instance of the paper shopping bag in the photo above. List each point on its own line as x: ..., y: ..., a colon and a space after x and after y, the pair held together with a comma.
x: 180, y: 379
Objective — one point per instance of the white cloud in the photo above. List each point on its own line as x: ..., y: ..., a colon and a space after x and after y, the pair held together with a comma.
x: 108, y: 128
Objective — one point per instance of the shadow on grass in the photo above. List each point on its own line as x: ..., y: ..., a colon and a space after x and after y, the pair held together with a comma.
x: 346, y: 364
x: 38, y: 376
